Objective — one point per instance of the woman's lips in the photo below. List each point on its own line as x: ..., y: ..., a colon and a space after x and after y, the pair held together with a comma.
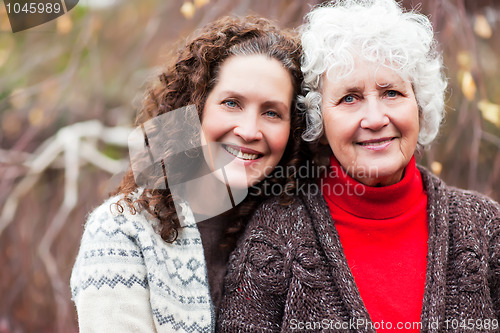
x: 243, y: 153
x: 376, y: 144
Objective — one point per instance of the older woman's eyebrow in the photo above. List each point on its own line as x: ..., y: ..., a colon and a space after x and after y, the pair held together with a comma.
x: 349, y: 90
x: 384, y: 85
x: 399, y: 85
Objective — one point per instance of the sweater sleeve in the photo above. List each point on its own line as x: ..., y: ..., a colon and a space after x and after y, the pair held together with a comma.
x: 256, y: 284
x: 109, y: 280
x: 494, y: 262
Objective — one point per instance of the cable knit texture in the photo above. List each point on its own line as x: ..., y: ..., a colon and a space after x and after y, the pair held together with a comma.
x: 127, y: 279
x: 384, y: 232
x: 289, y: 272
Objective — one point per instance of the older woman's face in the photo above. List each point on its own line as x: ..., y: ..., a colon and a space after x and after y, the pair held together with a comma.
x: 371, y: 123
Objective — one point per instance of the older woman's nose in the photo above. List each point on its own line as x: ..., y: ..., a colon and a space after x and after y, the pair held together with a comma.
x: 374, y: 116
x: 247, y: 127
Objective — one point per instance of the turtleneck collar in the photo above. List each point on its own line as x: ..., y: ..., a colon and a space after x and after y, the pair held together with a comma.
x: 376, y: 203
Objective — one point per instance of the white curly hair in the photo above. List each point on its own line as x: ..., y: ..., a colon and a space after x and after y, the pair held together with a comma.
x: 379, y: 31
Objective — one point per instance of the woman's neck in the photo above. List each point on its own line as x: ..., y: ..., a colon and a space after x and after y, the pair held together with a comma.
x: 207, y: 196
x: 371, y: 201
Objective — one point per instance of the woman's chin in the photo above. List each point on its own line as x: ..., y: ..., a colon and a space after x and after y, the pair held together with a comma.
x: 384, y: 179
x: 378, y: 174
x: 235, y: 179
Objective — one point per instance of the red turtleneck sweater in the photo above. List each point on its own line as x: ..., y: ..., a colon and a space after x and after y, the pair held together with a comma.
x: 383, y: 231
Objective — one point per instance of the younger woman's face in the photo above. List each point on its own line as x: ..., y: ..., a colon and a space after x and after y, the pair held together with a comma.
x: 246, y: 119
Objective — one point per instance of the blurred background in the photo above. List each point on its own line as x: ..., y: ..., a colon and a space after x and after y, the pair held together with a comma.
x: 68, y: 96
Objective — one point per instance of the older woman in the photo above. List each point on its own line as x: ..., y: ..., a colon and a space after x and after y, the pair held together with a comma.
x: 386, y: 245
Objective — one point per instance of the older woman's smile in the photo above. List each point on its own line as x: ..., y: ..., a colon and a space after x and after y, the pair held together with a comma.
x: 376, y: 144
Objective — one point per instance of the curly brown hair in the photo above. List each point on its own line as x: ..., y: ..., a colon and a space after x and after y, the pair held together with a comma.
x: 188, y: 80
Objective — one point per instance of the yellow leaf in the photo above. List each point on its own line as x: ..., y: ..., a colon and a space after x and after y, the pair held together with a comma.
x: 188, y: 9
x: 468, y: 86
x: 19, y: 99
x: 200, y: 3
x: 4, y: 20
x: 464, y: 59
x: 436, y: 168
x: 490, y: 111
x: 50, y: 93
x: 64, y: 24
x: 36, y: 116
x: 482, y: 27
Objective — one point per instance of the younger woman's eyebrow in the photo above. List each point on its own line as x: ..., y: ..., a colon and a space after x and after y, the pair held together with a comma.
x: 231, y: 93
x: 242, y: 97
x: 278, y: 104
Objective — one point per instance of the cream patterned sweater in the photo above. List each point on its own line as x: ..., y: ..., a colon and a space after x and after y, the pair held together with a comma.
x: 127, y: 279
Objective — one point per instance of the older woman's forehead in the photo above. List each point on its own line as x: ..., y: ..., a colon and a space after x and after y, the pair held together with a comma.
x: 362, y: 72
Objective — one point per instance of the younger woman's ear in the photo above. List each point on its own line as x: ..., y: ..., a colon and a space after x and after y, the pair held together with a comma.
x: 323, y: 140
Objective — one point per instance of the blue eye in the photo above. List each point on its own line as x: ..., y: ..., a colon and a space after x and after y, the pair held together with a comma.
x: 230, y: 103
x: 392, y: 93
x: 272, y: 114
x: 348, y: 99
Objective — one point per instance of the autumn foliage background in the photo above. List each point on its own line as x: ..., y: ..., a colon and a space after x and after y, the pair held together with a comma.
x: 68, y: 92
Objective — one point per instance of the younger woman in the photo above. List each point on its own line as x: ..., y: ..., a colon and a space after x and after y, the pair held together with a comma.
x: 142, y: 267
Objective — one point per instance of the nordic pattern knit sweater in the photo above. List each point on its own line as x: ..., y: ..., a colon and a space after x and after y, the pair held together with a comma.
x: 128, y: 279
x: 289, y: 272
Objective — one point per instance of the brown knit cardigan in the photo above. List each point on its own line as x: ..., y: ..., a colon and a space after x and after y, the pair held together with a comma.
x: 289, y: 272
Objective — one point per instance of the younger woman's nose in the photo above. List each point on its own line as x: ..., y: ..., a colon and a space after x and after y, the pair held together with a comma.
x: 247, y: 127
